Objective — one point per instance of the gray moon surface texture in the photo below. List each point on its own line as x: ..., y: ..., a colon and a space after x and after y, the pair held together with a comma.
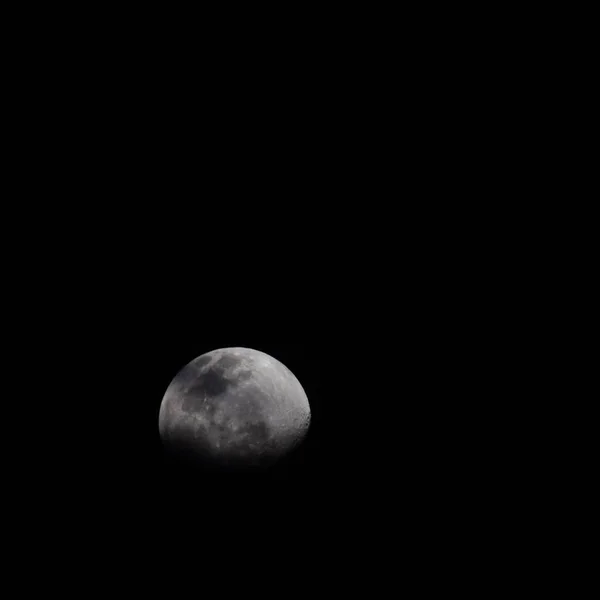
x: 234, y: 407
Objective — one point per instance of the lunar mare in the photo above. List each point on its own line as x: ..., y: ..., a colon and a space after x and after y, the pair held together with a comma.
x: 234, y: 407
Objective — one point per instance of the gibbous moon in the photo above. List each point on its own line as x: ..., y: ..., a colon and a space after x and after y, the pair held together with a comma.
x: 234, y: 407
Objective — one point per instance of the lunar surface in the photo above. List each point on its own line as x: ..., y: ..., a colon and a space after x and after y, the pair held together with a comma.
x: 234, y: 407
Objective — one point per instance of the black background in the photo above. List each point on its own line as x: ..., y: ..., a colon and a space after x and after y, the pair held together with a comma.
x: 383, y: 310
x: 367, y: 253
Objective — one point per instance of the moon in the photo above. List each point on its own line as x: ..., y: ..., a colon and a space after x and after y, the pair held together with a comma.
x: 234, y: 408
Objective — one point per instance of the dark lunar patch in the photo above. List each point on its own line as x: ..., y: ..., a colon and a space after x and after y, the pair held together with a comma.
x: 228, y: 361
x: 244, y: 375
x: 196, y: 388
x: 215, y: 383
x: 202, y: 361
x: 187, y: 376
x: 212, y: 383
